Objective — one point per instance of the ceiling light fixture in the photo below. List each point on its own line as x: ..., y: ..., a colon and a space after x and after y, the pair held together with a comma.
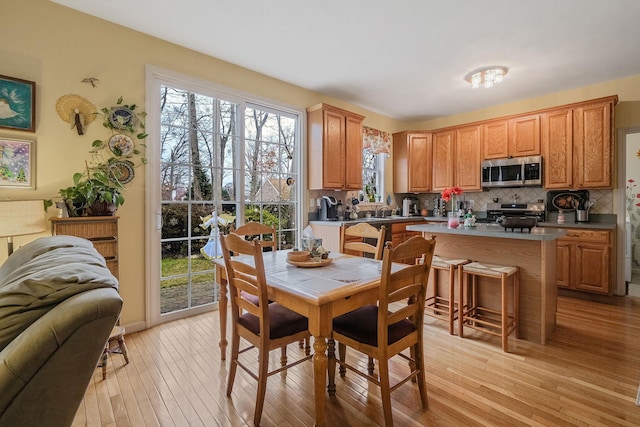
x: 486, y: 76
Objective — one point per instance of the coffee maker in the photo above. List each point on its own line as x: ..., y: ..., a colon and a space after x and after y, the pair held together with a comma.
x: 328, y: 209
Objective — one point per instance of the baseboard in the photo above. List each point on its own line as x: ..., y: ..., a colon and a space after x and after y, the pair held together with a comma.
x: 135, y: 327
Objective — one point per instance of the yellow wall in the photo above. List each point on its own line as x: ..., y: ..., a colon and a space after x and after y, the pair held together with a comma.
x: 57, y: 47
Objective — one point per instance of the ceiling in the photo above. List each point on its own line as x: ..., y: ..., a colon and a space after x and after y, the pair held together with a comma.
x: 405, y: 59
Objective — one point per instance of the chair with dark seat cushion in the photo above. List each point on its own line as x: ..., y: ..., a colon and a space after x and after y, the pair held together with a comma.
x: 267, y: 236
x: 250, y: 320
x: 384, y: 330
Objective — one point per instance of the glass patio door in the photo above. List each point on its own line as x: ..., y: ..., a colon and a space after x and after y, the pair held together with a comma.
x: 221, y: 161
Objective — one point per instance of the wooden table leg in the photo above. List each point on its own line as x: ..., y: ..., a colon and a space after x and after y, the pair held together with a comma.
x: 221, y: 277
x: 331, y: 353
x: 319, y: 377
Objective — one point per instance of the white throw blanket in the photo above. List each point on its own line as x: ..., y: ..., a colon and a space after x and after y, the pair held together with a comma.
x: 43, y: 273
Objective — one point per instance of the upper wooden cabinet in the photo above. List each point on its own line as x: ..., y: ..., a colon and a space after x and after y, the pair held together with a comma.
x: 557, y: 143
x: 456, y: 158
x: 577, y: 146
x: 467, y: 158
x: 443, y: 160
x: 593, y: 150
x: 334, y: 138
x: 516, y: 137
x: 411, y: 153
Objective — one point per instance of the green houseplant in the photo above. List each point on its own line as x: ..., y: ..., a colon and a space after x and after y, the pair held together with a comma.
x: 96, y: 192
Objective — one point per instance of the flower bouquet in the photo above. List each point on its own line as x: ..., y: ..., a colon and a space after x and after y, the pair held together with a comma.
x: 449, y: 194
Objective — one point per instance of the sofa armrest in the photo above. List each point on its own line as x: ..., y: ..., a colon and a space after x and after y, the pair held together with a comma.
x: 45, y: 371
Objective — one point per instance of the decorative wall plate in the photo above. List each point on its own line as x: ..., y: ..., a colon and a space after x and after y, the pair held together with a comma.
x: 121, y: 145
x: 121, y: 118
x: 123, y: 171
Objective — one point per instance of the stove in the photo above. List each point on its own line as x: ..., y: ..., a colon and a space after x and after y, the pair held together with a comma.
x: 496, y: 210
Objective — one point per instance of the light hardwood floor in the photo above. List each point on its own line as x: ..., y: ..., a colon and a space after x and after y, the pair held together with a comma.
x: 587, y: 374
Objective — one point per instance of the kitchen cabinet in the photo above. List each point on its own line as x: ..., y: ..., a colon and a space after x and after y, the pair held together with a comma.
x: 467, y: 158
x: 584, y: 261
x: 334, y: 138
x: 577, y: 146
x: 456, y: 158
x: 443, y: 160
x: 593, y: 149
x: 515, y: 137
x: 400, y: 234
x: 102, y: 231
x: 557, y: 142
x: 411, y: 152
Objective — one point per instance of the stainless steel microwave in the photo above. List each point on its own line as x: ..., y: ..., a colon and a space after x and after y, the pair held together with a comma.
x: 513, y: 172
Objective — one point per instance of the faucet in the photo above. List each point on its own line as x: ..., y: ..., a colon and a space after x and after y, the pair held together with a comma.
x: 380, y: 209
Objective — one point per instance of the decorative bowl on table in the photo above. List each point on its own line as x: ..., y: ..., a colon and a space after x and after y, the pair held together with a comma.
x: 299, y: 256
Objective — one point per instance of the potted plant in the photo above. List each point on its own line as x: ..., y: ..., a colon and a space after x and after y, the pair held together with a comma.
x: 96, y: 192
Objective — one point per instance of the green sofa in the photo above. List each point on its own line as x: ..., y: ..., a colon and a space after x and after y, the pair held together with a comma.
x: 58, y: 304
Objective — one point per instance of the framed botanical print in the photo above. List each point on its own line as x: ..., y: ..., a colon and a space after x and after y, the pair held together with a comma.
x: 17, y: 163
x: 17, y: 104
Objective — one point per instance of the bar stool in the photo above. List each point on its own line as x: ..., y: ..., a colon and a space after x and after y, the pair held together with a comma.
x: 438, y: 306
x: 115, y: 344
x: 496, y: 322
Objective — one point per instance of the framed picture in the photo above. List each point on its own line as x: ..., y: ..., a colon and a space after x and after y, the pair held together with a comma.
x: 17, y: 104
x: 17, y: 163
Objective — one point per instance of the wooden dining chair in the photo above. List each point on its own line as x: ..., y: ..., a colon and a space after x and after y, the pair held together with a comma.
x: 360, y: 232
x: 384, y: 330
x: 353, y: 240
x: 266, y: 234
x: 265, y: 326
x: 253, y: 230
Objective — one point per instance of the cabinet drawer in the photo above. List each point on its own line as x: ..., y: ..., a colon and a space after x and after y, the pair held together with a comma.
x: 107, y: 248
x: 88, y: 230
x: 112, y: 265
x: 580, y: 235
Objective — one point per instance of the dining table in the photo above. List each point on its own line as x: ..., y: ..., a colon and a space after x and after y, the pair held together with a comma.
x: 320, y: 293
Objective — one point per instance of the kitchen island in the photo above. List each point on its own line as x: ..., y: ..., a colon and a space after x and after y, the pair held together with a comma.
x: 534, y: 253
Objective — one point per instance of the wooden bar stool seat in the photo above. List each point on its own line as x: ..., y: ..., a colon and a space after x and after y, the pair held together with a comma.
x: 440, y: 307
x: 115, y: 344
x: 496, y: 322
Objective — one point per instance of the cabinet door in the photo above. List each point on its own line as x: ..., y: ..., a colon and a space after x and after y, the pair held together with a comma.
x: 467, y: 158
x: 557, y: 148
x: 495, y: 139
x: 524, y: 136
x: 333, y: 151
x: 419, y: 156
x: 563, y: 264
x: 443, y: 160
x: 353, y: 154
x: 592, y: 143
x: 592, y: 268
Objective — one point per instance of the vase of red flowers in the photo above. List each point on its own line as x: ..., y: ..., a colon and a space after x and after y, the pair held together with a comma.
x: 449, y: 194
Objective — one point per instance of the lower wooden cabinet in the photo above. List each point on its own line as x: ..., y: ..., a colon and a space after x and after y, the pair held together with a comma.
x: 102, y: 231
x: 584, y: 261
x: 399, y: 234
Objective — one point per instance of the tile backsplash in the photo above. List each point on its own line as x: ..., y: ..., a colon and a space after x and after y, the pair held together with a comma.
x: 604, y: 198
